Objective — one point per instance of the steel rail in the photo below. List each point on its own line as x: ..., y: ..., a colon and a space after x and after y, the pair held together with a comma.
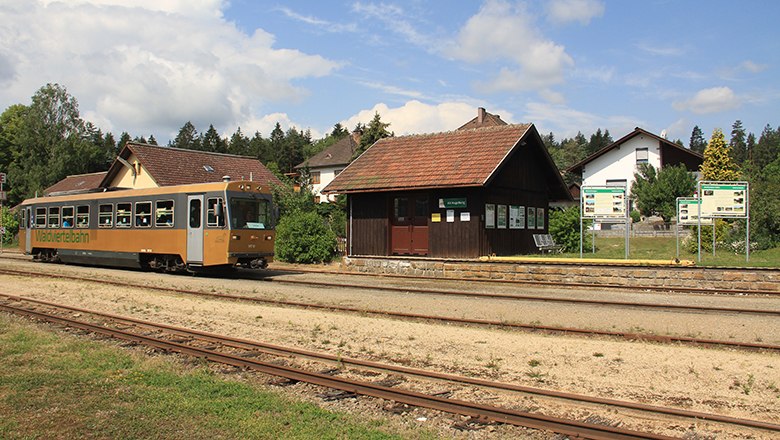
x: 532, y: 297
x: 509, y: 296
x: 446, y: 319
x: 453, y: 406
x: 280, y: 350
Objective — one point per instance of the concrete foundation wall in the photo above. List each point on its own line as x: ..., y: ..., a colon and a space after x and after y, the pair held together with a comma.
x: 627, y: 276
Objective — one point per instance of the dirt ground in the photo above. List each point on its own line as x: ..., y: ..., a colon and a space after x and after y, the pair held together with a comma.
x: 733, y: 382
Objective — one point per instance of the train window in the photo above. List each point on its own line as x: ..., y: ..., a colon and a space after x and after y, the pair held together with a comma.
x: 123, y: 215
x: 67, y: 216
x: 163, y: 213
x: 82, y: 216
x: 105, y: 216
x: 195, y: 213
x: 54, y: 217
x: 143, y: 214
x: 249, y: 214
x: 40, y: 217
x: 215, y: 212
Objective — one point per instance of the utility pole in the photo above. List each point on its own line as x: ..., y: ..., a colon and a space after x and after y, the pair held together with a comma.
x: 2, y: 199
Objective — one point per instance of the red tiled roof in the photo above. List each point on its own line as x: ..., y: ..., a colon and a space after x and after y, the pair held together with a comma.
x: 339, y: 153
x: 76, y: 183
x: 483, y: 119
x: 458, y: 158
x: 174, y: 166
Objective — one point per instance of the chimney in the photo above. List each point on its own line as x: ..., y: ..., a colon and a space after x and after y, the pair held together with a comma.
x: 356, y: 136
x: 480, y: 115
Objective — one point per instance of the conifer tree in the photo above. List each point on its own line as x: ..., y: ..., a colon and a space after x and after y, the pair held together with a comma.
x: 697, y: 143
x: 718, y: 164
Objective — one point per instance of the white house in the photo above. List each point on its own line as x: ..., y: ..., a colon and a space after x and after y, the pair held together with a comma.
x: 327, y: 164
x: 615, y: 164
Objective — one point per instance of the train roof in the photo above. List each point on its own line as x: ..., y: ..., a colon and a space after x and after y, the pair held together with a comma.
x: 112, y: 193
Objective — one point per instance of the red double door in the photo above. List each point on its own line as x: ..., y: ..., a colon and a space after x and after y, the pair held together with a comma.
x: 409, y: 225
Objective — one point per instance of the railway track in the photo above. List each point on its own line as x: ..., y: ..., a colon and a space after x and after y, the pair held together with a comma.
x: 181, y: 343
x: 602, y: 286
x: 647, y: 288
x: 510, y: 296
x: 444, y: 319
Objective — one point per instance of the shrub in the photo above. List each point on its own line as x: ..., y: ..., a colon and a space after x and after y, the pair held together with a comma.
x: 304, y: 237
x: 565, y: 229
x: 11, y: 224
x: 636, y: 216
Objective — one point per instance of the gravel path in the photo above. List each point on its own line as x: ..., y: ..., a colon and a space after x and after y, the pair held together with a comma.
x: 737, y: 383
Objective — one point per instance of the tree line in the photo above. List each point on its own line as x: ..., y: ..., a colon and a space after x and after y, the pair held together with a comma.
x: 44, y: 141
x: 47, y: 140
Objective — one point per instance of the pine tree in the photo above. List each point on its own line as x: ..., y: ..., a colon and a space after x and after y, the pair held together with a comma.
x: 212, y: 142
x: 375, y: 130
x: 697, y: 143
x: 187, y: 138
x: 738, y: 143
x: 239, y: 144
x: 718, y: 164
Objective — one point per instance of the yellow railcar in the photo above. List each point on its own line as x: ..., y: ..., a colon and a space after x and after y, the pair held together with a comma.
x: 173, y: 228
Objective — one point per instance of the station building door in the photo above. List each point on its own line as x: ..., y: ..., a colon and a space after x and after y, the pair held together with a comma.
x: 409, y: 225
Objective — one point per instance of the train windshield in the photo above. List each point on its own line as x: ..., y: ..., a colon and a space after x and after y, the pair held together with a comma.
x: 249, y: 214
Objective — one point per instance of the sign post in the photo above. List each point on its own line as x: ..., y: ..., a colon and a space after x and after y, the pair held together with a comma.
x: 2, y: 199
x: 606, y: 204
x: 724, y: 200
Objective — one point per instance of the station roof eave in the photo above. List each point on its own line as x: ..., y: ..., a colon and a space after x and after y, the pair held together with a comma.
x: 400, y: 188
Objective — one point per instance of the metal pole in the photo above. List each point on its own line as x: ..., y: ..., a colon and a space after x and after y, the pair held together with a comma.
x: 698, y: 252
x: 713, y: 237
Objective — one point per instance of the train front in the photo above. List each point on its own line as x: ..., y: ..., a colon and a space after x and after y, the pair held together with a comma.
x: 250, y: 216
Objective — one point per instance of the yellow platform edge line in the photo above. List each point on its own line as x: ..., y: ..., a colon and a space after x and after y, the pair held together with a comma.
x: 600, y: 261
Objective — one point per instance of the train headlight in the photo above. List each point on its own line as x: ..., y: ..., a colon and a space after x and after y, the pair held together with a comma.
x: 236, y: 237
x: 269, y: 237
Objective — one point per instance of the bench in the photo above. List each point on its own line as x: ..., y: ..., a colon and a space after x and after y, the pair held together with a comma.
x: 545, y: 243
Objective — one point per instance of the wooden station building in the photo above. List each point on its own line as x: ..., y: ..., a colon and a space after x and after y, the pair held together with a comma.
x: 459, y: 194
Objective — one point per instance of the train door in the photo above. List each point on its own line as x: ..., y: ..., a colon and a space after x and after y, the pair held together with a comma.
x: 28, y: 231
x: 409, y: 226
x: 195, y: 229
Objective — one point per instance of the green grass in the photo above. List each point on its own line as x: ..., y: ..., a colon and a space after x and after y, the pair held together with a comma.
x: 54, y: 386
x: 665, y: 248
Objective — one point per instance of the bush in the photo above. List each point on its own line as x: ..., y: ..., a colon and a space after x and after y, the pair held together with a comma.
x: 11, y: 224
x: 304, y: 237
x: 565, y: 229
x: 636, y: 216
x: 722, y: 234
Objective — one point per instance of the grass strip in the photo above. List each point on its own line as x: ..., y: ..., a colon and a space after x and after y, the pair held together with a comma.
x: 60, y: 386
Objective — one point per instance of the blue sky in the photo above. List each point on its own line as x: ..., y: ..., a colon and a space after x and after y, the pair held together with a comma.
x: 148, y: 66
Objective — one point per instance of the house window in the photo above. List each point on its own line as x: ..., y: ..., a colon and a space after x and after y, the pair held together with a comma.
x: 317, y: 199
x: 315, y: 177
x: 641, y: 155
x: 337, y: 172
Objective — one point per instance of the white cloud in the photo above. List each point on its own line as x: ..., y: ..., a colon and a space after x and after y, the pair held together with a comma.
x: 713, y: 100
x: 150, y: 66
x: 567, y: 11
x: 501, y: 31
x: 415, y: 117
x: 660, y: 50
x: 565, y: 121
x: 319, y: 23
x: 752, y: 67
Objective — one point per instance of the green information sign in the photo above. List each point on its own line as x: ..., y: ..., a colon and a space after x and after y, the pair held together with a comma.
x: 459, y: 202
